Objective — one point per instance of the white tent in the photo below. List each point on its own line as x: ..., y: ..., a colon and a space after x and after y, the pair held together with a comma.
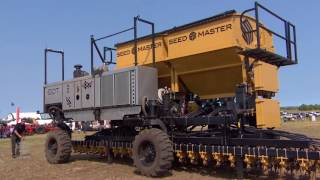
x: 11, y: 118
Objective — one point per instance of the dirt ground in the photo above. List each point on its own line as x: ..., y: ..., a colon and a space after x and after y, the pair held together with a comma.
x: 34, y: 166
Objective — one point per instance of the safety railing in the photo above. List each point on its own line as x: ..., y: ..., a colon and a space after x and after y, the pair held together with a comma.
x: 290, y: 39
x: 46, y: 51
x: 102, y: 57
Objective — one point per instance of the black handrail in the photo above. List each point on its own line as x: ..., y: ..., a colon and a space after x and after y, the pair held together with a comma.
x: 94, y: 45
x: 136, y: 19
x: 288, y: 27
x: 46, y: 51
x: 105, y: 49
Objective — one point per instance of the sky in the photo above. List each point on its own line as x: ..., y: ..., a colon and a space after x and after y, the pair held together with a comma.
x: 27, y: 27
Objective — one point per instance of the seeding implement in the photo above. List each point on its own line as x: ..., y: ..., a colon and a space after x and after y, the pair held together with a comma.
x: 201, y: 93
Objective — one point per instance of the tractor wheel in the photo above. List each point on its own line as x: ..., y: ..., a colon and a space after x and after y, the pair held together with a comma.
x: 152, y: 152
x: 58, y: 147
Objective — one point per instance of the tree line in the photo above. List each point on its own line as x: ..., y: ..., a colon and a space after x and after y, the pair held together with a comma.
x: 303, y: 107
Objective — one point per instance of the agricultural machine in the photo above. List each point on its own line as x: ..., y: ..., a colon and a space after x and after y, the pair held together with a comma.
x: 201, y: 93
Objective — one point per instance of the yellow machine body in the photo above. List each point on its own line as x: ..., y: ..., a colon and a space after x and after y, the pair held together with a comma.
x: 203, y: 57
x: 266, y: 77
x: 267, y: 113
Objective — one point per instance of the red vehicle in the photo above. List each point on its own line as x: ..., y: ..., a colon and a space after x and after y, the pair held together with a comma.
x: 38, y: 129
x: 29, y: 129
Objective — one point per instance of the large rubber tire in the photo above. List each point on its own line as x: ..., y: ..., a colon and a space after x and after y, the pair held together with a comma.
x: 159, y: 163
x: 58, y: 147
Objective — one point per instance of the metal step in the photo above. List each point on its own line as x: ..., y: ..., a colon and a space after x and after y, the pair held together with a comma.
x: 268, y: 57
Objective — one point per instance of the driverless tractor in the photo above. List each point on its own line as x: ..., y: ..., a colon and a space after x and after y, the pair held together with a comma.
x: 202, y: 93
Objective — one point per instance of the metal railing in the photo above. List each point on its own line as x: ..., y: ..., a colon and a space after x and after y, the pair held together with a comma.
x: 291, y: 54
x: 46, y: 51
x: 102, y: 57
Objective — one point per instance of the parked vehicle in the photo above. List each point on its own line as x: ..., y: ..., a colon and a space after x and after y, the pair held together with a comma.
x: 40, y: 119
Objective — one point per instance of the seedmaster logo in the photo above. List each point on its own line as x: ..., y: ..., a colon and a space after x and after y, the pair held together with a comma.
x: 247, y: 32
x: 189, y: 37
x: 192, y: 36
x: 139, y: 49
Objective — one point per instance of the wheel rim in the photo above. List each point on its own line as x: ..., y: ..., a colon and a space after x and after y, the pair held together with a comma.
x: 147, y: 153
x: 52, y: 147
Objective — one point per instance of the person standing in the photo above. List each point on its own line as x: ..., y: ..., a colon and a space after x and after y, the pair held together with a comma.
x: 11, y: 129
x: 7, y: 130
x: 17, y: 136
x: 1, y: 131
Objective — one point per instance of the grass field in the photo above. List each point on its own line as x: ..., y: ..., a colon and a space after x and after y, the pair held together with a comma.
x: 307, y: 127
x: 83, y: 167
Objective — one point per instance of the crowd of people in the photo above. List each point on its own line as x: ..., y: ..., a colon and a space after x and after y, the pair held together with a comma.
x: 32, y: 127
x: 5, y: 130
